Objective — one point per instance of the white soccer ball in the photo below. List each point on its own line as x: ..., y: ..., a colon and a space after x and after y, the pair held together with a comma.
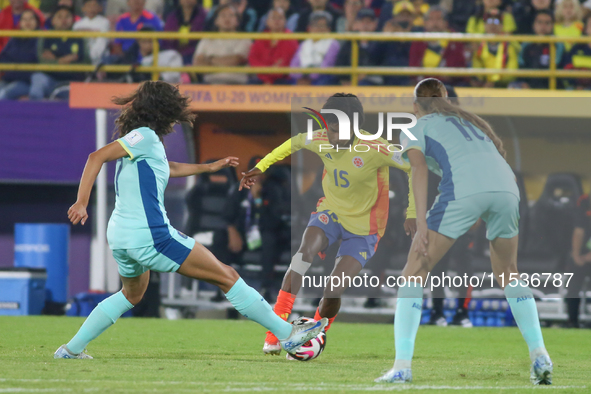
x: 311, y: 349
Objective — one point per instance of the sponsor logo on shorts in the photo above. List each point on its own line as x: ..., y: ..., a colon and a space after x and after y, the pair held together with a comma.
x: 363, y: 254
x: 181, y: 234
x: 323, y: 218
x: 416, y: 306
x: 358, y: 162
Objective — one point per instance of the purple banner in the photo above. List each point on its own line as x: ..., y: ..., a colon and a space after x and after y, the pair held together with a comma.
x: 44, y: 141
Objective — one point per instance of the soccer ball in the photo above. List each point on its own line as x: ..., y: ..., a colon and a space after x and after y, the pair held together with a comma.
x: 311, y: 349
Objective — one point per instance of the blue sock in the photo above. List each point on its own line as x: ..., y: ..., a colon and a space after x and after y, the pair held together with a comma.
x: 523, y: 306
x: 406, y: 322
x: 102, y: 317
x: 253, y: 306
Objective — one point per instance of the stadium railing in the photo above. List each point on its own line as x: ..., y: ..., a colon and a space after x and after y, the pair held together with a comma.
x: 552, y: 73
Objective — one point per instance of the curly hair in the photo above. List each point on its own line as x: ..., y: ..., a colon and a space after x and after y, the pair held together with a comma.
x: 155, y: 104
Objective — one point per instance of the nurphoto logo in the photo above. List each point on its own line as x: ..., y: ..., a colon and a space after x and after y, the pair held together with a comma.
x: 345, y: 124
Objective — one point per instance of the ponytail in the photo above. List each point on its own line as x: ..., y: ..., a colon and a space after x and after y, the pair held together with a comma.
x: 431, y: 96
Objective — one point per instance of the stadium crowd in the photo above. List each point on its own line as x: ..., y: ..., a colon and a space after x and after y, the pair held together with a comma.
x: 562, y: 18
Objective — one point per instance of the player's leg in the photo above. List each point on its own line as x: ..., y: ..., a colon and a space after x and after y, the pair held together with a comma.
x: 314, y: 241
x: 203, y: 265
x: 346, y: 267
x: 503, y: 255
x: 109, y: 310
x: 447, y: 221
x: 355, y: 251
x: 502, y: 228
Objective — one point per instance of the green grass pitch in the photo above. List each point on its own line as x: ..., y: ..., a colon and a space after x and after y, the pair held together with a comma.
x: 156, y: 355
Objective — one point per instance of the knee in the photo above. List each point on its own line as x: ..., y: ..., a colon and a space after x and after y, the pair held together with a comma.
x: 307, y: 254
x: 230, y: 277
x: 133, y: 299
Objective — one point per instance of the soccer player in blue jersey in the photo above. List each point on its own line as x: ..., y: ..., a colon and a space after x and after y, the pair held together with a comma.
x: 139, y: 232
x: 476, y: 183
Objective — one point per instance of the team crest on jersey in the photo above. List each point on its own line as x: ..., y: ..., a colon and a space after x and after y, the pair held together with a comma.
x: 358, y: 162
x: 323, y: 218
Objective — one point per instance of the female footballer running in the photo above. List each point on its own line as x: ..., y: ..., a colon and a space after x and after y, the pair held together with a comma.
x: 139, y: 232
x: 354, y: 209
x: 476, y: 183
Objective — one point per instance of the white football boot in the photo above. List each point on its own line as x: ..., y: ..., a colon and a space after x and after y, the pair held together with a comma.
x: 272, y: 349
x: 392, y: 376
x: 63, y: 352
x: 541, y: 371
x: 302, y: 332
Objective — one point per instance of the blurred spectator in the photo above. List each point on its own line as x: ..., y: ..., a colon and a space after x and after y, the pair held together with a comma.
x: 314, y: 6
x: 496, y: 55
x: 439, y: 53
x: 255, y: 222
x: 568, y: 16
x: 219, y: 52
x: 459, y: 12
x: 490, y: 7
x: 58, y: 51
x: 351, y: 8
x: 141, y: 53
x: 579, y: 58
x: 16, y: 84
x: 404, y: 9
x: 393, y: 53
x: 260, y: 6
x: 10, y: 17
x: 63, y: 3
x: 94, y: 21
x: 273, y: 53
x: 134, y: 20
x: 421, y: 8
x: 247, y: 17
x: 580, y: 260
x: 524, y: 13
x: 535, y: 56
x: 115, y: 8
x: 366, y: 22
x: 188, y: 17
x: 291, y: 15
x: 35, y: 3
x: 316, y: 53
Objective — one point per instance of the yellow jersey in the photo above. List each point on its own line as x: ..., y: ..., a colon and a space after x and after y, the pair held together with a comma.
x: 355, y: 179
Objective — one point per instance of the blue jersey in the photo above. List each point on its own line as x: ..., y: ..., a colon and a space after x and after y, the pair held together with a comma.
x: 139, y: 218
x: 465, y: 158
x: 124, y: 23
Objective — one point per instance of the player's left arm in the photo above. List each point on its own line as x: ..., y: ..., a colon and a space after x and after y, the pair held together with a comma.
x: 77, y: 212
x: 420, y: 173
x: 178, y: 170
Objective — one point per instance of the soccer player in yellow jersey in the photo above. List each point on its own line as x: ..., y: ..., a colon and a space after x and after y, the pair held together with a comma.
x: 355, y: 207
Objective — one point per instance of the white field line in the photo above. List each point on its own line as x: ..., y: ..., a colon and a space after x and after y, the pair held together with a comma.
x: 257, y: 387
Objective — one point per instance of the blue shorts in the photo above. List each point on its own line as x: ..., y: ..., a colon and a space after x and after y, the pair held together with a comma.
x: 499, y: 210
x: 166, y: 256
x: 360, y: 247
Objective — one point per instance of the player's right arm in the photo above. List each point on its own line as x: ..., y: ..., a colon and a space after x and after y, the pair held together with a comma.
x: 113, y: 151
x: 293, y: 144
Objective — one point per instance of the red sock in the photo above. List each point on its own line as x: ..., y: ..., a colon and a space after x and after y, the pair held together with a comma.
x: 318, y: 317
x: 282, y: 308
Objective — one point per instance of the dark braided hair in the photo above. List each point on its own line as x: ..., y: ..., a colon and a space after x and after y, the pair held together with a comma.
x: 155, y: 104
